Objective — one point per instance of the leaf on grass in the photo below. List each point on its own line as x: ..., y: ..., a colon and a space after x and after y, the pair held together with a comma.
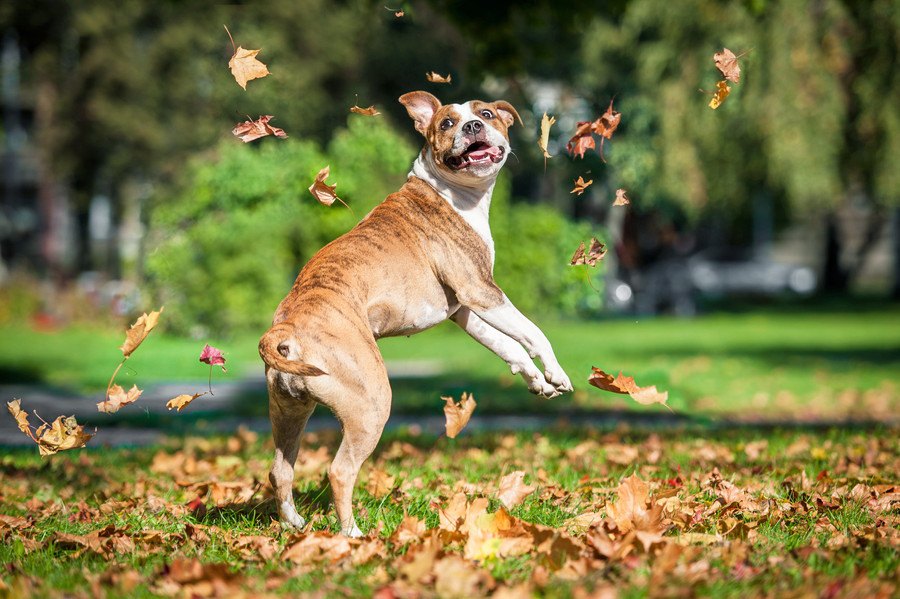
x: 180, y: 402
x: 513, y: 489
x: 321, y: 190
x: 135, y: 335
x: 380, y: 483
x: 21, y: 417
x: 621, y: 199
x: 722, y: 91
x: 212, y: 356
x: 62, y: 434
x: 594, y: 255
x: 581, y: 185
x: 458, y: 414
x: 727, y: 63
x: 626, y: 386
x: 546, y: 123
x: 433, y: 77
x: 370, y: 111
x: 250, y: 130
x: 117, y: 398
x: 634, y: 510
x: 411, y: 530
x: 245, y: 66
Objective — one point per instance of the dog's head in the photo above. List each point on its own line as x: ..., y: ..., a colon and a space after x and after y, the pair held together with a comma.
x: 468, y: 142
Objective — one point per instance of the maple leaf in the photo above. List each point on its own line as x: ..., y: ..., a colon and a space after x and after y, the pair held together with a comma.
x: 380, y: 483
x: 458, y: 414
x: 621, y: 199
x: 21, y: 417
x: 727, y: 63
x: 546, y: 123
x: 117, y: 398
x: 581, y: 185
x: 370, y: 111
x: 322, y: 191
x: 626, y: 386
x: 433, y: 77
x: 722, y: 91
x: 135, y: 335
x: 245, y: 66
x: 513, y: 489
x: 62, y: 434
x: 180, y: 402
x: 594, y: 255
x: 212, y: 356
x: 410, y: 530
x: 250, y: 130
x: 582, y: 141
x: 634, y: 510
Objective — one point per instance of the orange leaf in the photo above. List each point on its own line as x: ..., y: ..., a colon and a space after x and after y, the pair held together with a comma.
x: 321, y: 190
x: 250, y: 130
x: 380, y: 483
x: 370, y: 111
x: 513, y: 489
x: 118, y: 398
x: 582, y: 141
x: 63, y: 433
x: 546, y: 123
x: 458, y: 414
x: 433, y: 77
x: 722, y: 91
x: 728, y: 65
x: 139, y: 331
x: 621, y: 200
x: 180, y: 402
x: 626, y: 386
x: 595, y: 254
x: 581, y: 185
x: 634, y: 510
x: 245, y: 67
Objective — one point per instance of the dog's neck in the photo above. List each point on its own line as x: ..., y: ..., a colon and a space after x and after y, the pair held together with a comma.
x: 473, y: 203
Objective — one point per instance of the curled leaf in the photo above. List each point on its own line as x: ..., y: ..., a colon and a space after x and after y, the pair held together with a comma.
x: 546, y: 123
x: 433, y: 77
x: 250, y: 130
x: 581, y: 185
x: 180, y: 402
x: 626, y: 386
x: 595, y: 254
x: 604, y: 126
x: 21, y: 417
x: 212, y: 356
x: 135, y: 335
x: 62, y: 434
x: 458, y: 414
x: 321, y: 190
x: 117, y: 398
x: 245, y: 66
x: 722, y: 91
x: 727, y: 63
x: 370, y: 111
x: 621, y: 199
x: 582, y: 141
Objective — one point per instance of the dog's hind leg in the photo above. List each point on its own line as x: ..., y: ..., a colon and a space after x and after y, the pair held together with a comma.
x: 288, y: 415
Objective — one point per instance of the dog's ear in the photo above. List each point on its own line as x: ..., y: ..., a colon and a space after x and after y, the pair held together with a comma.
x: 507, y: 113
x: 421, y: 107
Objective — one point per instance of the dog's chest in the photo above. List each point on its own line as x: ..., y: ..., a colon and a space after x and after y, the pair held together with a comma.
x: 477, y: 218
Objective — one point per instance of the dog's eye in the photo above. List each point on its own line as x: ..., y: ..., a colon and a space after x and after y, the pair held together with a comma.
x: 487, y: 114
x: 446, y: 124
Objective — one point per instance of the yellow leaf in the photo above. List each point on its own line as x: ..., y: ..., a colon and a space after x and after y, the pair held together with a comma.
x: 21, y: 417
x: 62, y: 434
x: 245, y: 67
x: 722, y: 91
x: 117, y: 398
x: 182, y: 400
x: 458, y: 414
x: 139, y: 331
x: 433, y: 77
x: 370, y: 111
x: 546, y: 123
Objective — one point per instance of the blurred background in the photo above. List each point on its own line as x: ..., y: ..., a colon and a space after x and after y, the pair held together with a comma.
x: 762, y: 242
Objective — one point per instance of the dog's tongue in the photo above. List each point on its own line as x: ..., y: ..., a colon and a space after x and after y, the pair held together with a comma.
x: 493, y: 152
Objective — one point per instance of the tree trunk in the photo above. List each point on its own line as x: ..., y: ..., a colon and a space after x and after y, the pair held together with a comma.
x: 895, y: 252
x: 835, y: 277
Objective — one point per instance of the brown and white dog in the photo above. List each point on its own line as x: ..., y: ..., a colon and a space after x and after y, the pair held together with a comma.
x: 423, y: 255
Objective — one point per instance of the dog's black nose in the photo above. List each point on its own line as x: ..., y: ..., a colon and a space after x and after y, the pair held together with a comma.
x: 472, y: 128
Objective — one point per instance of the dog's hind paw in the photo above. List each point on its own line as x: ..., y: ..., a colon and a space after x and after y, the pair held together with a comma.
x: 290, y: 518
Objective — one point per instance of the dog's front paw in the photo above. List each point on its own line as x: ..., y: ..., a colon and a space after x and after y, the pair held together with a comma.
x: 539, y: 386
x: 289, y: 516
x: 558, y: 379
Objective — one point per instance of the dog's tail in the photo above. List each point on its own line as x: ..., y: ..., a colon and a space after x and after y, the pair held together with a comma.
x: 273, y: 349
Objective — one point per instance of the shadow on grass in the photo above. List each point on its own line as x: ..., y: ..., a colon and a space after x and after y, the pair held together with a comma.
x: 315, y: 499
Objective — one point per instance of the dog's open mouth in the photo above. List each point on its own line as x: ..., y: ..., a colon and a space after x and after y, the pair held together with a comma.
x: 477, y: 153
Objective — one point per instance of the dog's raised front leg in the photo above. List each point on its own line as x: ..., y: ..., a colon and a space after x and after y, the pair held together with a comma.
x: 509, y: 350
x: 507, y: 319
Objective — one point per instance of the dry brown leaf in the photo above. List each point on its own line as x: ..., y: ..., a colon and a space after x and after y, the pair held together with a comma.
x: 250, y: 130
x: 594, y: 255
x: 727, y: 63
x: 135, y: 335
x: 411, y: 530
x: 21, y: 417
x: 513, y: 489
x: 117, y: 398
x: 370, y: 111
x: 621, y: 199
x: 180, y: 402
x: 61, y: 434
x: 451, y: 516
x: 582, y: 141
x: 546, y: 123
x: 634, y: 510
x: 399, y: 14
x: 581, y: 185
x: 722, y: 91
x: 433, y: 77
x: 321, y: 190
x: 626, y: 386
x: 607, y: 124
x: 380, y: 483
x: 245, y: 66
x: 458, y: 414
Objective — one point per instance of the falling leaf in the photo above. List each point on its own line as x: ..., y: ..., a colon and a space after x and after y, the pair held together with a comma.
x: 370, y: 111
x: 727, y: 63
x: 21, y: 417
x: 433, y: 77
x: 581, y: 185
x: 722, y: 91
x: 513, y: 489
x: 117, y: 398
x: 546, y: 123
x: 62, y: 434
x: 139, y: 331
x: 621, y: 199
x: 178, y: 403
x: 595, y: 254
x: 605, y: 125
x: 250, y: 130
x: 458, y: 414
x: 212, y: 356
x: 322, y: 191
x: 245, y: 67
x: 399, y: 14
x: 626, y: 386
x: 582, y: 141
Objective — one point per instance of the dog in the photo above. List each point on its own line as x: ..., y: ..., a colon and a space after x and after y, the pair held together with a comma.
x: 422, y: 256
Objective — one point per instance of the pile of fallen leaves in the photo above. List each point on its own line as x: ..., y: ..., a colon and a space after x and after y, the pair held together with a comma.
x: 592, y: 514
